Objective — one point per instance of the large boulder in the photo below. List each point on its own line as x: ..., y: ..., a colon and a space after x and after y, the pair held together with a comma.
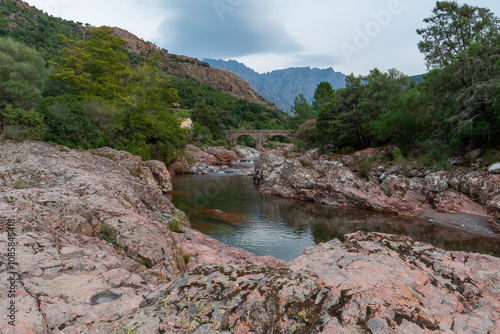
x: 224, y: 156
x: 246, y: 153
x: 372, y: 282
x: 91, y: 194
x: 437, y: 182
x: 281, y: 172
x: 196, y: 154
x: 495, y: 168
x: 180, y: 166
x: 290, y: 173
x: 393, y: 284
x: 161, y: 175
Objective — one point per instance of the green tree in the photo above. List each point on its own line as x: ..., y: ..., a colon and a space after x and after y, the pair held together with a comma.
x: 453, y: 28
x: 106, y: 116
x: 150, y: 130
x: 462, y: 43
x: 67, y: 125
x: 97, y: 66
x: 149, y: 88
x: 323, y: 95
x: 302, y: 111
x: 22, y: 71
x: 367, y: 111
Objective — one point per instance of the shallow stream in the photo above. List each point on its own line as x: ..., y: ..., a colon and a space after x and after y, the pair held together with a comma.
x: 229, y: 208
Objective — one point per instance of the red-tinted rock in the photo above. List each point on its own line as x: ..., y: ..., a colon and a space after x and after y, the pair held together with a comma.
x: 288, y: 173
x: 224, y: 156
x: 398, y: 285
x: 198, y: 155
x: 180, y: 166
x: 161, y: 175
x: 320, y: 181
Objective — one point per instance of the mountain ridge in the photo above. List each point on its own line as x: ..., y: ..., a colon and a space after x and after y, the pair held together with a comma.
x: 282, y: 86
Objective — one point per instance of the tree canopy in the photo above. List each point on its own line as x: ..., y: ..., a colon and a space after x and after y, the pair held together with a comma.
x: 96, y: 66
x: 456, y: 107
x: 462, y: 43
x: 22, y: 73
x: 453, y: 29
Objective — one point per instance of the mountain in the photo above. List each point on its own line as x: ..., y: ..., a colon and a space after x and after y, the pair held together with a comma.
x: 417, y: 78
x: 282, y: 86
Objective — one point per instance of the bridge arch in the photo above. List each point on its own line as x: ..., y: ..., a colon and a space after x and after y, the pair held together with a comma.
x: 260, y: 136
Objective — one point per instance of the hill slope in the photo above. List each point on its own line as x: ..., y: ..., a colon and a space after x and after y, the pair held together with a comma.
x: 282, y: 86
x: 35, y: 28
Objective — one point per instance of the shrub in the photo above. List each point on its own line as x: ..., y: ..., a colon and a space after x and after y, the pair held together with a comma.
x: 177, y: 224
x: 305, y: 163
x: 364, y: 166
x: 306, y: 133
x: 107, y: 233
x: 347, y: 150
x: 17, y: 184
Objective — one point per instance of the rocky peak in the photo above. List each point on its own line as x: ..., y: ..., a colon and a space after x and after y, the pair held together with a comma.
x: 135, y: 44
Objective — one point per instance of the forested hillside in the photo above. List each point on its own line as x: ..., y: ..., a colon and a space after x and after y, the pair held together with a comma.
x: 105, y: 86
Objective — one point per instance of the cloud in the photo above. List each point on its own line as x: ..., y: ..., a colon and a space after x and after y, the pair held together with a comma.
x: 223, y: 29
x: 319, y: 61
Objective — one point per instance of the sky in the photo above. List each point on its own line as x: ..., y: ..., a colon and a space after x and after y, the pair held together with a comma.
x: 349, y: 36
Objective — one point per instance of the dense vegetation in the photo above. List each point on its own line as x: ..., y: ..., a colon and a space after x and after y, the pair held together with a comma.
x: 213, y: 111
x: 77, y: 86
x: 35, y: 28
x: 456, y: 108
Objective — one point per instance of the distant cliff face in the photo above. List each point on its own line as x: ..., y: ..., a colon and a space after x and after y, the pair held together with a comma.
x: 282, y: 86
x: 179, y: 66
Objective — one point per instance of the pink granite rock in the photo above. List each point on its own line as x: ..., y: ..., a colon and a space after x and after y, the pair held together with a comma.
x: 161, y: 175
x: 95, y: 254
x: 224, y: 156
x: 288, y: 173
x: 396, y: 285
x: 195, y: 153
x: 319, y: 181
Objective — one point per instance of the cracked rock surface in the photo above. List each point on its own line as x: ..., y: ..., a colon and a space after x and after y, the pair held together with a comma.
x: 95, y: 254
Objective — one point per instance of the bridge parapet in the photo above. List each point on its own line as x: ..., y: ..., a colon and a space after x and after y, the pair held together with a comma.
x: 260, y: 136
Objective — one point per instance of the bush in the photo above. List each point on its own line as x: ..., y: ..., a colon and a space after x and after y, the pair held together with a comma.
x: 364, y: 166
x: 67, y: 124
x: 107, y: 233
x: 436, y: 154
x: 177, y: 224
x: 305, y: 163
x: 30, y: 121
x: 305, y: 135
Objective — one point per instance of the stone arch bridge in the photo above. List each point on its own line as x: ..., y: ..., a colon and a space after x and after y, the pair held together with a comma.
x: 260, y: 136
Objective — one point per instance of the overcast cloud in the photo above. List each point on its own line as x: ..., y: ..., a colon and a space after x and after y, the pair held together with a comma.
x: 215, y: 29
x: 351, y: 37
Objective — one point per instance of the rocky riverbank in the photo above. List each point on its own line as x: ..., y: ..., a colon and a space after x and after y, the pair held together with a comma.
x: 364, y: 181
x: 100, y: 249
x: 209, y: 159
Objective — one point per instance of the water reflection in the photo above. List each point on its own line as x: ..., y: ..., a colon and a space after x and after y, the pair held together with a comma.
x: 229, y: 209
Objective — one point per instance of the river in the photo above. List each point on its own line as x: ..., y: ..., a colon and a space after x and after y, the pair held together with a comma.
x: 230, y: 209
